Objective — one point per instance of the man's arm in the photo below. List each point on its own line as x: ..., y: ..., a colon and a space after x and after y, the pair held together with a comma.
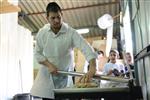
x: 92, y: 70
x: 39, y: 54
x: 50, y: 66
x: 89, y: 53
x: 92, y: 67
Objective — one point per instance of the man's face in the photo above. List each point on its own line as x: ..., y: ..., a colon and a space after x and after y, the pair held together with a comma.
x: 55, y: 19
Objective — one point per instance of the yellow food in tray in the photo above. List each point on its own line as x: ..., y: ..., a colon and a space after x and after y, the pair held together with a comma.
x: 86, y: 85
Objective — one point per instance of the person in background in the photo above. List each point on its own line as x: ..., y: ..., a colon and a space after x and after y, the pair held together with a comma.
x: 129, y: 65
x: 100, y: 53
x: 53, y: 50
x: 113, y: 68
x: 100, y: 61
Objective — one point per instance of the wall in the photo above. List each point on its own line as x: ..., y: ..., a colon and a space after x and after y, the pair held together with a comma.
x: 140, y: 24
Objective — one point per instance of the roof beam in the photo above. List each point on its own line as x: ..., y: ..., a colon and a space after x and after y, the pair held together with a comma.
x: 89, y: 26
x: 96, y: 5
x: 23, y: 16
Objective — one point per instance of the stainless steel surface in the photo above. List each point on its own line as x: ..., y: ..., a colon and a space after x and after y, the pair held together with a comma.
x: 99, y: 77
x: 87, y: 90
x: 71, y: 73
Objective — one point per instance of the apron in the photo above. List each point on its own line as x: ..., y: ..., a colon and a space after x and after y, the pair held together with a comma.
x: 43, y: 84
x: 46, y: 82
x: 55, y: 52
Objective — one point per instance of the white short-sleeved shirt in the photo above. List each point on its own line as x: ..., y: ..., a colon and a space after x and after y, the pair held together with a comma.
x: 110, y: 66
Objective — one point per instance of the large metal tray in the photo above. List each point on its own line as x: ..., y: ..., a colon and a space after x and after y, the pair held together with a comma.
x: 87, y: 90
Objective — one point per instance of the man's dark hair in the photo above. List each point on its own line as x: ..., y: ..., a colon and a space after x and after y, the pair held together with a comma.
x: 52, y: 7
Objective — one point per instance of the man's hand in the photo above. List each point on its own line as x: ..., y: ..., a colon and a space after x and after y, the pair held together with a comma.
x: 52, y: 68
x: 86, y: 78
x: 92, y: 70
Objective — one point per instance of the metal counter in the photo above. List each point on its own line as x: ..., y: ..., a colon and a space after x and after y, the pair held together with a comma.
x: 93, y: 93
x: 129, y: 92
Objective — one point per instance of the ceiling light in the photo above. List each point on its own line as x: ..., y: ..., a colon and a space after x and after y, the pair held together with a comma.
x: 105, y: 21
x: 83, y: 31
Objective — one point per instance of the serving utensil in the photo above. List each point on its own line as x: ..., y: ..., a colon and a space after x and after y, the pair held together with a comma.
x: 99, y: 77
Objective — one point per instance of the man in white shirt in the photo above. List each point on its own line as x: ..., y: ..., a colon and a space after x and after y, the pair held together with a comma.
x: 54, y: 46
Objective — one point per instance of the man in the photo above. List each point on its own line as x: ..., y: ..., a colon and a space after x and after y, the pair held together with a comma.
x: 54, y: 46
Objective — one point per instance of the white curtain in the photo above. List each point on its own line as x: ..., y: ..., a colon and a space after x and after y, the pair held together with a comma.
x: 127, y: 31
x: 16, y: 57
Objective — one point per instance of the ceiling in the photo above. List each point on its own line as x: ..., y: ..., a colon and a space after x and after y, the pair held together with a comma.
x: 77, y: 13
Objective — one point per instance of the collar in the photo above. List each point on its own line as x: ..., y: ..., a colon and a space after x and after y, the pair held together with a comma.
x: 63, y: 28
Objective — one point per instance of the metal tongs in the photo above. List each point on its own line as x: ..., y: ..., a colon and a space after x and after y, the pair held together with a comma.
x: 99, y: 77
